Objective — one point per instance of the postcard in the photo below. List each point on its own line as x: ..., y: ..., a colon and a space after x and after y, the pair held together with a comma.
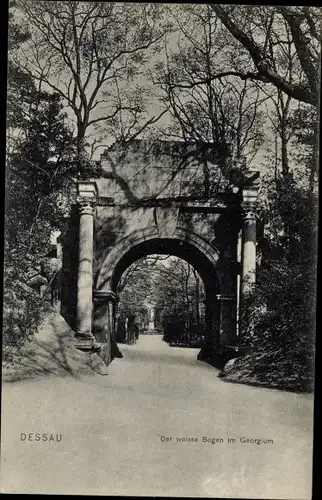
x: 160, y: 249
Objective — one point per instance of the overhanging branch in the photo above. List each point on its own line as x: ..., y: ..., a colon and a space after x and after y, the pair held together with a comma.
x: 301, y: 92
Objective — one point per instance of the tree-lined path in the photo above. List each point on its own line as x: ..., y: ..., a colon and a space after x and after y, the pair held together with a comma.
x: 112, y: 425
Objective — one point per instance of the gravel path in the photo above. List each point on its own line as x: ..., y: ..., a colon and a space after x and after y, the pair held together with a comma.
x: 112, y: 433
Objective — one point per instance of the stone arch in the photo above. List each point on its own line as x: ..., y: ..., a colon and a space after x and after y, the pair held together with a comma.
x: 103, y: 202
x: 185, y: 244
x: 202, y: 255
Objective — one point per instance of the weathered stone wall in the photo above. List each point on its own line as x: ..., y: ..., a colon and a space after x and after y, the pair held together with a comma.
x: 114, y: 223
x: 147, y: 169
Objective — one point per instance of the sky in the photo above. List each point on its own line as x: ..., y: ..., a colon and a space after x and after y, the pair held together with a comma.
x: 154, y: 108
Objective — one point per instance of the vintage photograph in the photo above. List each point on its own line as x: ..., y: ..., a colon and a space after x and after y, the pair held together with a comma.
x: 160, y: 257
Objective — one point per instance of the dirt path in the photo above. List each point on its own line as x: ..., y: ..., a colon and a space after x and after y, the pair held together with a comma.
x: 112, y: 429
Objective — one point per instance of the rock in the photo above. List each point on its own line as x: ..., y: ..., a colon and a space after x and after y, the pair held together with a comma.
x: 105, y: 353
x: 50, y: 266
x: 97, y: 364
x: 229, y: 365
x: 37, y: 280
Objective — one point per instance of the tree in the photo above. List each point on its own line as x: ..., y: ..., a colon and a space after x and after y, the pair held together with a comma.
x: 172, y: 285
x: 223, y: 111
x: 87, y: 52
x: 38, y: 175
x: 261, y: 32
x: 304, y: 123
x: 282, y: 308
x: 19, y: 83
x: 180, y: 296
x: 39, y: 171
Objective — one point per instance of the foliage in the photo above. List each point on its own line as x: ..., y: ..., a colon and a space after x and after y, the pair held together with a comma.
x: 174, y: 289
x: 19, y: 83
x: 136, y: 289
x: 180, y: 297
x: 22, y: 309
x: 304, y: 122
x: 40, y: 166
x: 279, y: 318
x: 38, y: 172
x: 38, y: 177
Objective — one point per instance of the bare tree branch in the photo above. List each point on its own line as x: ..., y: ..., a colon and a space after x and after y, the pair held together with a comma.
x: 304, y: 91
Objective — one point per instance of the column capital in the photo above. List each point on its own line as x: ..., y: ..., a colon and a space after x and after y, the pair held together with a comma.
x: 86, y: 206
x: 248, y: 211
x: 105, y: 296
x: 86, y: 197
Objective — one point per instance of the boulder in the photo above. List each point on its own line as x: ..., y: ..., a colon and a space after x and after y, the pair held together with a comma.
x: 229, y: 365
x: 97, y: 364
x: 50, y: 266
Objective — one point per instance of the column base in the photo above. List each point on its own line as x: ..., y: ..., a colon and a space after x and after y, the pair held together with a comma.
x: 86, y: 342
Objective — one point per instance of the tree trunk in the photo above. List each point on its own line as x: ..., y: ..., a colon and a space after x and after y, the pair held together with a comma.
x: 284, y: 152
x: 82, y: 157
x: 313, y: 166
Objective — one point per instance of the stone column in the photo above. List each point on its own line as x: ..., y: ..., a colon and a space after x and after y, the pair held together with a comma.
x: 248, y: 256
x: 104, y: 324
x: 86, y: 202
x: 248, y: 251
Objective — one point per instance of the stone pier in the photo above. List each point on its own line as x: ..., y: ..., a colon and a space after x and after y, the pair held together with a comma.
x: 248, y: 249
x: 86, y: 200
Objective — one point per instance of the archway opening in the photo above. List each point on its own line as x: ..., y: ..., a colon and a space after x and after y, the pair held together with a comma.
x: 165, y: 246
x: 196, y: 261
x: 161, y: 295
